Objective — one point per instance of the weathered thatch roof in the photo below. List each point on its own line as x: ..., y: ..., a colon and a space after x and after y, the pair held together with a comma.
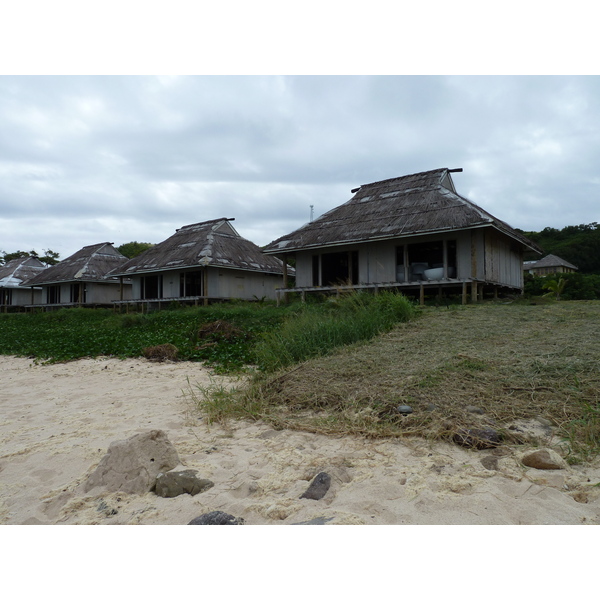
x: 18, y: 270
x: 413, y: 204
x: 548, y: 261
x: 91, y: 263
x: 209, y: 244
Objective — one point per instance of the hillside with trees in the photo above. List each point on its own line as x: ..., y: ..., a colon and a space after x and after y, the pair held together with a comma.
x: 577, y: 244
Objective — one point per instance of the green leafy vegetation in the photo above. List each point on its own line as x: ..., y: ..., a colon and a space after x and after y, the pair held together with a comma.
x: 577, y: 244
x: 49, y: 257
x: 317, y: 329
x: 133, y: 249
x: 574, y: 286
x: 72, y: 333
x: 229, y: 337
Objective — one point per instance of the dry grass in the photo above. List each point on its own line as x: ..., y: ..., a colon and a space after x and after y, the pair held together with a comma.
x: 161, y: 352
x: 513, y: 361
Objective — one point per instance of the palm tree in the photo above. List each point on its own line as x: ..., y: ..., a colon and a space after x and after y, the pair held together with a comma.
x: 556, y: 287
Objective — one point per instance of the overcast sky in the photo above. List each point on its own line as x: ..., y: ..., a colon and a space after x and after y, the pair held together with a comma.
x: 92, y: 159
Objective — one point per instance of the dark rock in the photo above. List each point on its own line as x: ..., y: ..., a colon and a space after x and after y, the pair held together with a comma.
x: 318, y: 488
x: 480, y: 439
x: 175, y: 483
x: 315, y: 521
x: 404, y: 409
x: 431, y: 407
x: 216, y: 517
x: 475, y: 410
x: 490, y: 463
x: 543, y: 459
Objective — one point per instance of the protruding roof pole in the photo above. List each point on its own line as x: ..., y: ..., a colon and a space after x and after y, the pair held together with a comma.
x: 455, y: 170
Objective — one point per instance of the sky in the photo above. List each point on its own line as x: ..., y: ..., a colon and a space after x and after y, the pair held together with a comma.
x: 107, y: 156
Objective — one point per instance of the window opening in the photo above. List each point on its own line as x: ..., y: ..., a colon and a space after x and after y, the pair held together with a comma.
x: 151, y: 287
x: 190, y: 283
x: 426, y: 261
x: 339, y: 268
x: 53, y: 294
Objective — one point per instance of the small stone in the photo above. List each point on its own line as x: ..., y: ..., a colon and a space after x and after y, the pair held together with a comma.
x: 543, y: 421
x: 175, y: 483
x: 480, y: 439
x: 216, y: 517
x: 490, y: 463
x: 318, y: 488
x: 404, y: 409
x: 543, y: 459
x: 431, y: 407
x: 475, y: 410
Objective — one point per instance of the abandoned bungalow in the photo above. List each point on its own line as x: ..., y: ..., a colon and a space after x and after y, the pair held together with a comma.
x: 80, y: 279
x: 201, y: 262
x: 414, y: 233
x: 548, y: 265
x: 12, y: 275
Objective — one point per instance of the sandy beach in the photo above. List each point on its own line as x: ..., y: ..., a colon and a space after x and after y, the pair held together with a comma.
x: 59, y: 420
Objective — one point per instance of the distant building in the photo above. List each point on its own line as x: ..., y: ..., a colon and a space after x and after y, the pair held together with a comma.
x: 548, y: 265
x: 12, y: 275
x: 80, y: 279
x: 202, y: 262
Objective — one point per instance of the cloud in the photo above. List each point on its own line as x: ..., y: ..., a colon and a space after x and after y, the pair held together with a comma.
x: 89, y: 159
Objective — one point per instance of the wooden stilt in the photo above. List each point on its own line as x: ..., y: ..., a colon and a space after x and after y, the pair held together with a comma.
x: 474, y: 291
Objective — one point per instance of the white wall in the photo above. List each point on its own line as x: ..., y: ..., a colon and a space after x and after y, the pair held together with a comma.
x: 480, y: 254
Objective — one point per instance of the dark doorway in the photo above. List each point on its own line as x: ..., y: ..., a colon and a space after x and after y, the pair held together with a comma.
x: 339, y: 268
x: 190, y: 283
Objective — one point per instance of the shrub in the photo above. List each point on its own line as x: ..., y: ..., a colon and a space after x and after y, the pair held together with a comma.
x: 161, y: 352
x: 316, y: 331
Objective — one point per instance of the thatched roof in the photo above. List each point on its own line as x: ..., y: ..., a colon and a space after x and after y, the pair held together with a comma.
x: 18, y: 270
x: 548, y: 261
x: 209, y: 244
x: 421, y: 203
x: 91, y: 263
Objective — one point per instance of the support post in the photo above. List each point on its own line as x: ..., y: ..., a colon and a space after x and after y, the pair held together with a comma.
x: 285, y: 278
x: 465, y: 295
x: 474, y: 291
x: 205, y: 285
x: 421, y: 294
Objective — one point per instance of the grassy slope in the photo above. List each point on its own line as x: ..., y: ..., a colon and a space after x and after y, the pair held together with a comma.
x: 512, y: 360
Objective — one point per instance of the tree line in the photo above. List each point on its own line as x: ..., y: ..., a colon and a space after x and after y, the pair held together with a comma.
x: 577, y: 244
x: 49, y: 257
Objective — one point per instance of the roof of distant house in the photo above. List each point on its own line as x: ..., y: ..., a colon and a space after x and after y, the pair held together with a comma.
x: 548, y: 262
x: 91, y: 263
x: 212, y: 243
x: 18, y: 270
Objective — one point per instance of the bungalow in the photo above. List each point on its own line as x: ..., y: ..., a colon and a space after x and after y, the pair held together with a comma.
x: 203, y: 261
x: 547, y: 265
x: 414, y: 233
x: 80, y: 279
x: 12, y: 275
